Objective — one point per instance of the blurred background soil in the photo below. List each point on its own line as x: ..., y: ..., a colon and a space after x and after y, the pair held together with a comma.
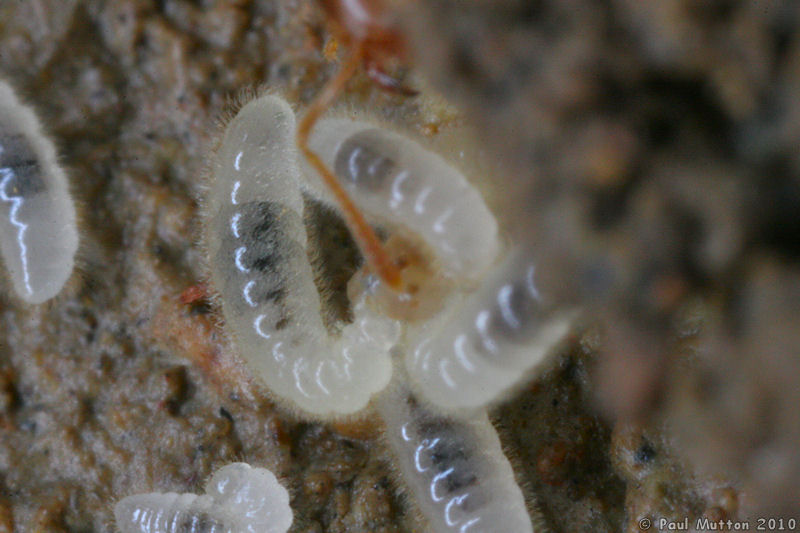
x: 649, y: 151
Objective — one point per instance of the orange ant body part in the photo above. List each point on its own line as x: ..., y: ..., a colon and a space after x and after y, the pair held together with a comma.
x: 368, y: 25
x: 365, y: 27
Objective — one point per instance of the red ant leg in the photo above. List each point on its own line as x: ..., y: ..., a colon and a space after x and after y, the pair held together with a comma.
x: 374, y: 252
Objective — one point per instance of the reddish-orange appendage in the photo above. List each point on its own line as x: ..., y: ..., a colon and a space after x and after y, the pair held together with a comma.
x: 367, y: 29
x: 194, y: 293
x: 368, y: 24
x: 370, y: 245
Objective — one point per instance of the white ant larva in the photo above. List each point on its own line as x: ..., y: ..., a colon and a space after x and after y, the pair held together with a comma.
x: 257, y: 244
x: 38, y: 230
x: 238, y: 499
x: 455, y: 467
x: 487, y: 341
x: 489, y: 326
x: 392, y: 177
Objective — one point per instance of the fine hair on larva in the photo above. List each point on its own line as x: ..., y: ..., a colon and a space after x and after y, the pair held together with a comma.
x: 455, y: 467
x: 486, y: 341
x: 38, y: 228
x: 492, y: 335
x: 238, y: 499
x: 258, y: 261
x: 393, y: 178
x: 491, y: 329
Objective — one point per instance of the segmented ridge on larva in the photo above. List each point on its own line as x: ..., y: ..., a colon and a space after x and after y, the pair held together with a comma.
x: 259, y: 264
x: 485, y: 342
x: 455, y: 467
x: 393, y: 177
x: 238, y: 499
x: 38, y: 231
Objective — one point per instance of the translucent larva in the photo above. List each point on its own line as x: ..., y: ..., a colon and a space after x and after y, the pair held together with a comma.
x: 259, y: 263
x: 393, y: 177
x: 486, y: 341
x: 455, y: 468
x: 483, y: 336
x: 238, y: 499
x: 38, y: 232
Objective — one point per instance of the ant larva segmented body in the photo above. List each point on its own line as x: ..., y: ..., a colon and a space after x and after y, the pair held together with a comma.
x: 38, y: 228
x: 442, y: 232
x: 391, y: 176
x: 488, y: 341
x: 238, y: 499
x: 489, y: 337
x: 257, y: 243
x: 455, y: 466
